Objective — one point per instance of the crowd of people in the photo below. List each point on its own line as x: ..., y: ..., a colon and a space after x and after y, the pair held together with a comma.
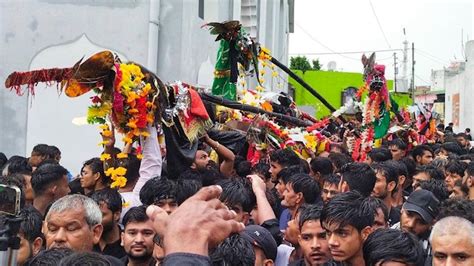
x: 400, y: 207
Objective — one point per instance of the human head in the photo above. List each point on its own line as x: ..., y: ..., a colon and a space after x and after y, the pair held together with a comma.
x: 92, y: 174
x: 387, y: 180
x: 339, y: 160
x: 51, y: 180
x: 238, y: 195
x: 160, y: 191
x: 457, y: 207
x: 74, y: 222
x: 425, y: 173
x: 263, y: 170
x: 263, y: 243
x: 54, y: 153
x: 110, y: 204
x: 312, y: 238
x: 381, y: 215
x: 419, y: 212
x: 460, y: 190
x: 320, y: 168
x: 284, y: 175
x: 391, y: 245
x: 359, y: 177
x: 330, y: 187
x: 31, y: 237
x: 448, y: 148
x: 132, y: 164
x: 39, y: 153
x: 348, y: 223
x: 454, y: 172
x: 398, y: 148
x: 137, y: 236
x: 201, y: 160
x: 280, y: 159
x: 84, y: 258
x: 452, y: 242
x: 185, y: 188
x: 377, y: 155
x: 437, y: 187
x: 300, y: 189
x: 49, y: 257
x: 16, y: 164
x: 462, y: 139
x: 234, y: 251
x: 422, y: 154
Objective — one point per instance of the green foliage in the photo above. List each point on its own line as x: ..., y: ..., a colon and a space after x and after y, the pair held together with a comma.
x: 316, y: 65
x: 300, y: 63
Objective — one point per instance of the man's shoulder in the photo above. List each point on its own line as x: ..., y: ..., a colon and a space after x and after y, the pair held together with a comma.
x: 116, y: 262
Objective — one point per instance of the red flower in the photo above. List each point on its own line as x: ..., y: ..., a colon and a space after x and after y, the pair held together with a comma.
x: 96, y: 99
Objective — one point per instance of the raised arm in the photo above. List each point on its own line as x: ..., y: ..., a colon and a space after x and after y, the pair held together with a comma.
x: 151, y: 162
x: 226, y: 155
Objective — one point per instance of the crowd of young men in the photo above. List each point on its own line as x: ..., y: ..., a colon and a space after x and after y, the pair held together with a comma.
x: 401, y: 207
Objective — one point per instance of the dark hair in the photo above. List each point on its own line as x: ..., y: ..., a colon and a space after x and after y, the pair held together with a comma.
x: 97, y: 166
x: 17, y: 164
x: 3, y: 159
x: 45, y: 175
x: 54, y: 152
x: 109, y: 196
x: 339, y: 160
x: 238, y: 191
x: 386, y: 245
x: 462, y: 135
x: 42, y: 150
x: 410, y: 165
x: 135, y: 215
x: 359, y: 177
x: 470, y: 168
x: 437, y: 187
x: 31, y: 224
x: 322, y: 165
x: 286, y: 173
x: 373, y: 203
x: 463, y: 208
x: 210, y: 177
x: 243, y: 168
x: 311, y: 212
x: 347, y: 209
x: 398, y: 143
x: 388, y: 170
x: 400, y: 167
x: 262, y: 169
x: 432, y: 171
x: 380, y: 154
x: 456, y: 167
x: 305, y: 184
x: 234, y: 251
x: 333, y: 179
x: 453, y: 147
x: 285, y: 157
x: 419, y: 150
x: 132, y: 163
x: 85, y: 258
x: 156, y: 189
x: 49, y: 257
x: 186, y: 188
x: 463, y: 187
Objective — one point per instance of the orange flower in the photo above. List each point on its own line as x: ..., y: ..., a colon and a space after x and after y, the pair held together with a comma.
x: 133, y: 111
x: 132, y: 123
x: 105, y: 157
x: 122, y: 155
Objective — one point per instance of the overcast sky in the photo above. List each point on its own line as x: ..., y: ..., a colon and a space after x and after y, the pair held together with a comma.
x: 436, y: 26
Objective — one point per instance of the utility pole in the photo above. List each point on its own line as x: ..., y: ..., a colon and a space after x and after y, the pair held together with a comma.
x: 395, y: 70
x: 413, y: 71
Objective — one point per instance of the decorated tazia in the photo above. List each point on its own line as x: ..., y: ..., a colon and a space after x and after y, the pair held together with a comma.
x: 125, y: 95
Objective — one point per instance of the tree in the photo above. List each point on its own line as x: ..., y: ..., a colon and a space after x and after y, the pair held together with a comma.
x: 300, y: 63
x: 316, y: 65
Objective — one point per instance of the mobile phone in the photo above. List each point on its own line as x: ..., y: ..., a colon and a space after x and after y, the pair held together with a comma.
x: 9, y: 200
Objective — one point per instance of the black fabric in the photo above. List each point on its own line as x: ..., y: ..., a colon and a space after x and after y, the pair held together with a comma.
x: 124, y: 261
x: 233, y: 140
x: 233, y: 53
x: 180, y: 152
x: 273, y: 226
x: 114, y: 249
x: 114, y: 261
x: 394, y: 216
x: 185, y: 259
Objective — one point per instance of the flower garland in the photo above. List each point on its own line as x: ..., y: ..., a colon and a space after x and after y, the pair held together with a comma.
x: 130, y: 108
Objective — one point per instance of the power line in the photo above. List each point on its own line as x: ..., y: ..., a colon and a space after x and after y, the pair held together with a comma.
x: 428, y: 54
x: 351, y: 52
x: 380, y: 25
x: 422, y: 79
x: 322, y: 44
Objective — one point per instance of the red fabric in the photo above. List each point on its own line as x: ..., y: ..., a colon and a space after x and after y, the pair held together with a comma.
x: 197, y: 106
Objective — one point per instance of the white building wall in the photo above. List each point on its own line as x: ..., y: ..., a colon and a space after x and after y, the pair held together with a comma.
x: 47, y: 33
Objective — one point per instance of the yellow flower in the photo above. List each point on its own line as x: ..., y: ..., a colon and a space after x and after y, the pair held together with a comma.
x: 150, y: 117
x: 122, y: 155
x: 105, y: 157
x: 274, y: 74
x: 145, y: 134
x: 132, y: 96
x: 125, y: 204
x: 120, y: 170
x: 133, y: 111
x: 107, y: 133
x: 110, y: 172
x: 139, y: 156
x: 149, y: 104
x: 146, y: 90
x: 132, y: 123
x: 127, y: 140
x: 102, y: 143
x: 104, y: 127
x: 119, y: 182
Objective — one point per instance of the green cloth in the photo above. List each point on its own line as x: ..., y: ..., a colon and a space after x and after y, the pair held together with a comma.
x: 381, y: 125
x: 222, y: 85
